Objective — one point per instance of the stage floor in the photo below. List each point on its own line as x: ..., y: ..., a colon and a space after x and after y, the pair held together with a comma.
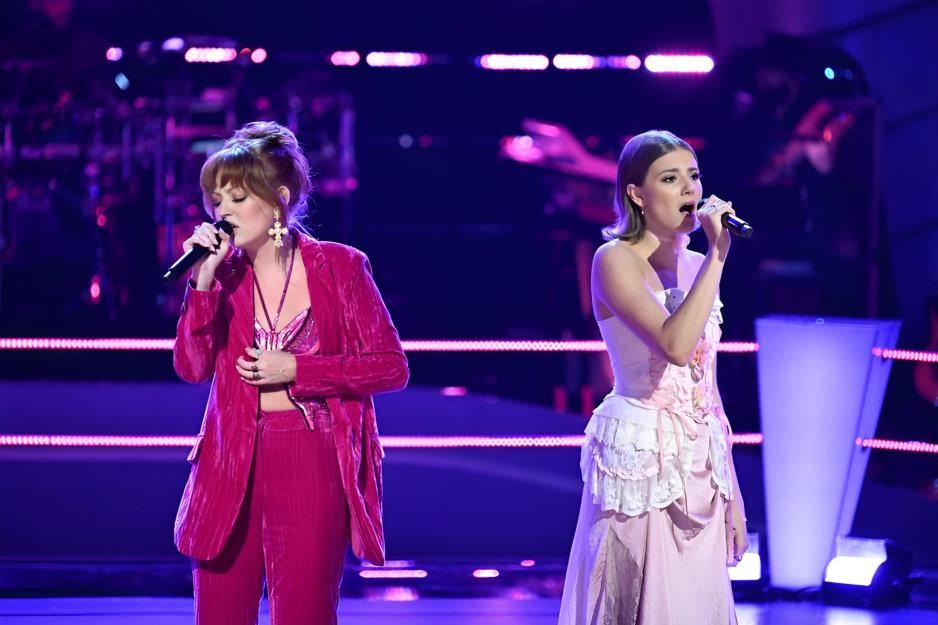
x: 176, y: 611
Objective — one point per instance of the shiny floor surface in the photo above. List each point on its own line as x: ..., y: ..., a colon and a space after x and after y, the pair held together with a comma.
x: 176, y: 611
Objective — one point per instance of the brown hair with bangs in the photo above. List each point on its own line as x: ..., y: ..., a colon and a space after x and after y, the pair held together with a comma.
x: 261, y: 157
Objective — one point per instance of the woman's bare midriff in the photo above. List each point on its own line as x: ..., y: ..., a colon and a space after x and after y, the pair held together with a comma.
x: 275, y: 397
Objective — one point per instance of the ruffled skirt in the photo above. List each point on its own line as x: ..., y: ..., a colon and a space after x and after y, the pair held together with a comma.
x: 651, y: 542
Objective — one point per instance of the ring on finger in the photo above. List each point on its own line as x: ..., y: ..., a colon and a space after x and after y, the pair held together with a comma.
x: 254, y: 368
x: 256, y: 375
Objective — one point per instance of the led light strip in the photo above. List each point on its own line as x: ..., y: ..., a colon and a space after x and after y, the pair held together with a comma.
x: 889, y: 445
x: 131, y: 344
x: 905, y: 354
x: 405, y: 442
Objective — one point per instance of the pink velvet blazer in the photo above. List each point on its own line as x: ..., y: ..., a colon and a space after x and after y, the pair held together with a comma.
x: 360, y: 355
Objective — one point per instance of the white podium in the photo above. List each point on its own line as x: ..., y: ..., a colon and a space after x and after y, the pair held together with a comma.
x: 820, y: 390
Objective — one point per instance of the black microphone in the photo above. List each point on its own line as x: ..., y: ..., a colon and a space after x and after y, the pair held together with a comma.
x: 191, y: 257
x: 732, y: 223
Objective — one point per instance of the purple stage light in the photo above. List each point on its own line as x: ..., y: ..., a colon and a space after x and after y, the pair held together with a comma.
x: 210, y: 55
x: 173, y: 44
x: 392, y: 574
x: 345, y: 58
x: 393, y: 593
x: 520, y: 62
x: 679, y: 63
x: 391, y: 564
x: 629, y: 61
x: 577, y: 61
x: 396, y: 59
x: 114, y: 54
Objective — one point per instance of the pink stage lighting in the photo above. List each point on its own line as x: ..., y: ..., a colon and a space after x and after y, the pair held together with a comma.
x: 259, y: 55
x: 905, y: 354
x: 406, y: 442
x: 87, y: 344
x: 211, y: 55
x: 345, y: 58
x: 56, y: 344
x: 522, y: 62
x: 737, y: 347
x: 623, y: 62
x: 679, y: 63
x: 114, y: 54
x: 392, y: 574
x: 913, y: 446
x: 576, y: 61
x: 396, y: 59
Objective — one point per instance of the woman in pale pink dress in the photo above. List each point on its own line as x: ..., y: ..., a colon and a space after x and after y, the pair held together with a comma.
x: 661, y: 517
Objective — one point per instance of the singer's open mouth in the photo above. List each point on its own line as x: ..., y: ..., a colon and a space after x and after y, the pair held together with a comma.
x: 687, y: 208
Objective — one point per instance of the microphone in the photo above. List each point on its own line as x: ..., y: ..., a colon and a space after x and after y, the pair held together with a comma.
x: 732, y: 223
x: 191, y: 257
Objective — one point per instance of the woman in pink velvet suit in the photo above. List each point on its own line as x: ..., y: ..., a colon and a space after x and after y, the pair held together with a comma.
x: 296, y: 339
x: 661, y: 516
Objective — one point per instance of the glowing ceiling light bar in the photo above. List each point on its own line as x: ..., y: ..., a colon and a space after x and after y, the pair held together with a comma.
x: 576, y: 61
x: 520, y: 62
x: 396, y: 59
x: 679, y: 63
x: 345, y: 58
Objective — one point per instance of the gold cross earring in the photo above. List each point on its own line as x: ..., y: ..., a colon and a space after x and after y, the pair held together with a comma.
x: 278, y: 230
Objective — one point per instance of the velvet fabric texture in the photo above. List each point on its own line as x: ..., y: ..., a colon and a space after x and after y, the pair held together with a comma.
x: 360, y: 355
x: 292, y: 531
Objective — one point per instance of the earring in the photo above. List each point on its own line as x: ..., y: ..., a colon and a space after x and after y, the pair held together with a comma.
x: 278, y: 230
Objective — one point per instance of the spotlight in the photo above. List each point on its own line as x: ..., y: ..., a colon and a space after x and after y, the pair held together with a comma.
x: 869, y: 572
x: 173, y: 44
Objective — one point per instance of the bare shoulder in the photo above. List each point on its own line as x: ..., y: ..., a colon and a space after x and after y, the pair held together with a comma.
x: 615, y: 260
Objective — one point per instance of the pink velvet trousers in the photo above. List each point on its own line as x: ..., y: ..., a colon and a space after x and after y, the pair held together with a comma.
x: 292, y: 530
